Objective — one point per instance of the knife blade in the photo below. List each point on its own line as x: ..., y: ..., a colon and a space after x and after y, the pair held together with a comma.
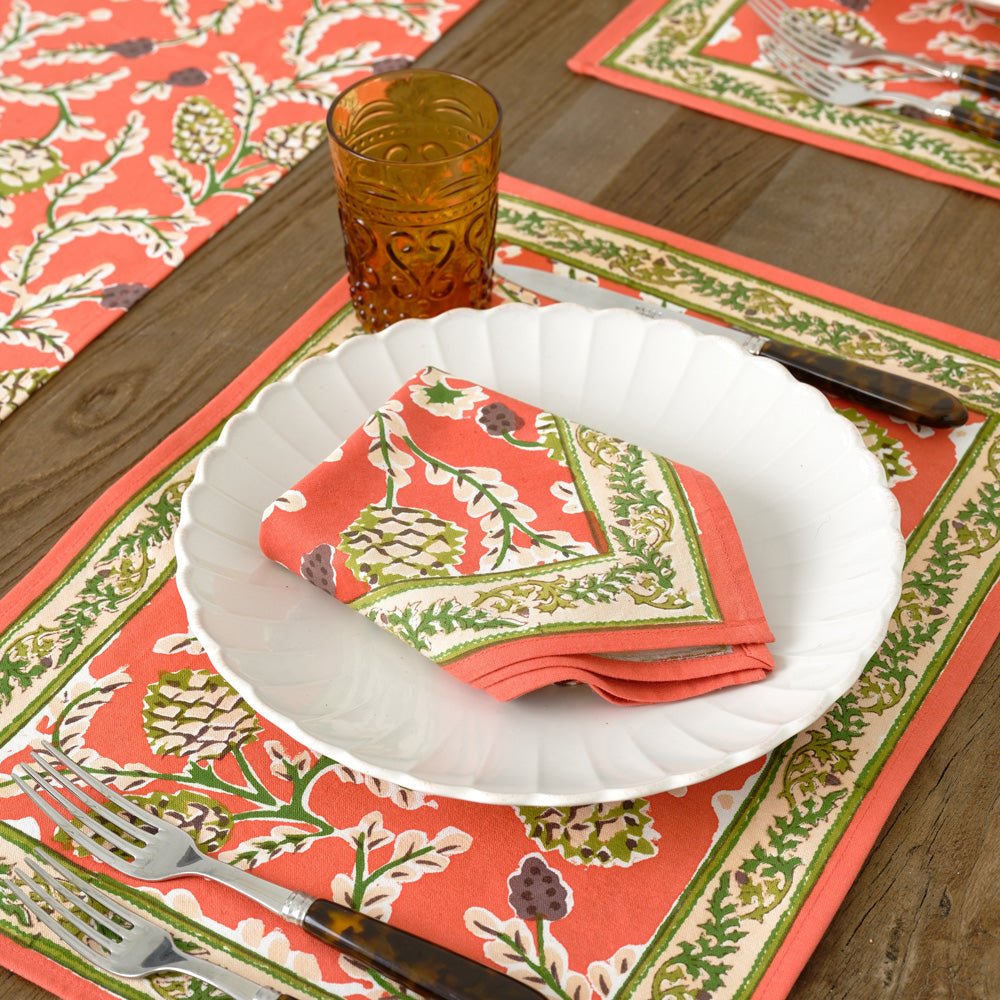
x: 894, y: 394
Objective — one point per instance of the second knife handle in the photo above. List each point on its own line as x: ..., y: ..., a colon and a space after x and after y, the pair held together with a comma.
x: 966, y: 119
x: 894, y: 394
x: 981, y: 78
x: 976, y: 121
x: 420, y: 965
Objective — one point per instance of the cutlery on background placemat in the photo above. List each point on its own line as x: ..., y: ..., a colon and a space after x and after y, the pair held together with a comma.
x: 831, y: 88
x: 886, y: 391
x: 795, y: 28
x: 115, y: 938
x: 146, y: 847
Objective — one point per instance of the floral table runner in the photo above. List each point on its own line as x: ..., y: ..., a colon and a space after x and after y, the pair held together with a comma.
x: 133, y: 131
x: 714, y: 892
x: 706, y: 54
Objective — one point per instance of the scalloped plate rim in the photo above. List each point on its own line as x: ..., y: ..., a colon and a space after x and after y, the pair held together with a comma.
x: 825, y: 697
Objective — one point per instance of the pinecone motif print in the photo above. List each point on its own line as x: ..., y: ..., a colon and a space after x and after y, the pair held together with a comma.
x: 285, y: 145
x: 498, y: 419
x: 537, y: 892
x: 196, y: 714
x: 388, y: 544
x: 25, y: 166
x: 202, y: 133
x: 391, y: 63
x: 190, y: 76
x: 317, y: 567
x: 607, y: 834
x: 122, y: 296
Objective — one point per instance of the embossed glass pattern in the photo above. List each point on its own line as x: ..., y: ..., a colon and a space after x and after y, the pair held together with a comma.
x: 415, y: 155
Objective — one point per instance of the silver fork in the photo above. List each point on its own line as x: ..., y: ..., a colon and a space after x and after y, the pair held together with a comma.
x: 810, y: 39
x: 114, y: 938
x: 824, y: 85
x: 147, y: 847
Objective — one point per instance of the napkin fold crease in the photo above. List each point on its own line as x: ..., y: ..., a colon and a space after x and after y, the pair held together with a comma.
x: 520, y: 550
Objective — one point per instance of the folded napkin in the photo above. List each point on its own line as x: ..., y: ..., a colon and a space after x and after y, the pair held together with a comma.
x: 517, y: 549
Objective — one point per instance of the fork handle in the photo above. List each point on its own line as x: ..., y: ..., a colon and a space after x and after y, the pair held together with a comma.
x: 429, y: 969
x: 981, y: 78
x: 960, y: 117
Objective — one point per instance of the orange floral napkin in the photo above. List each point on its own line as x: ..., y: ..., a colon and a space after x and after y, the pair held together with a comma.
x: 518, y: 549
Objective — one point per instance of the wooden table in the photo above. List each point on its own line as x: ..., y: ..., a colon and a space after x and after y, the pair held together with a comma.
x: 923, y: 920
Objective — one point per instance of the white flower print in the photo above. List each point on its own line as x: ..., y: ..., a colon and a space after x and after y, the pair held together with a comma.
x: 504, y: 519
x: 179, y: 642
x: 290, y: 501
x: 376, y: 883
x: 387, y: 428
x: 567, y: 494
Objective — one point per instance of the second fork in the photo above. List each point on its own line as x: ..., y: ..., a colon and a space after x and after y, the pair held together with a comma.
x: 797, y: 30
x: 831, y: 88
x: 147, y: 847
x: 114, y: 938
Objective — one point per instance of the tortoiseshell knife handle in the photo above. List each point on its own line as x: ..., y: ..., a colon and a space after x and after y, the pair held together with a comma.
x: 960, y: 117
x: 429, y: 969
x: 902, y: 397
x: 981, y: 78
x: 973, y: 120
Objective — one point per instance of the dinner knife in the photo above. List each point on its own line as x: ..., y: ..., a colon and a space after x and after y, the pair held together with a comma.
x: 894, y: 394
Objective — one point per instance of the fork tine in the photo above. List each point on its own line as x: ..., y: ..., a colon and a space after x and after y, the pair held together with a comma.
x: 46, y: 918
x: 99, y: 786
x: 788, y: 70
x: 59, y: 907
x: 92, y: 893
x: 820, y: 78
x: 765, y: 13
x: 790, y: 25
x: 96, y: 894
x: 99, y: 851
x: 78, y: 814
x: 800, y: 70
x: 806, y: 37
x: 123, y: 824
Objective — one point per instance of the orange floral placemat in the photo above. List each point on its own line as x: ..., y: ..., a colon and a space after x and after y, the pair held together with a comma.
x: 715, y: 892
x: 132, y: 132
x: 706, y: 54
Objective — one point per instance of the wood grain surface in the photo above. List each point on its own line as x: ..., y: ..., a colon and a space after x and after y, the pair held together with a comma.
x: 922, y: 921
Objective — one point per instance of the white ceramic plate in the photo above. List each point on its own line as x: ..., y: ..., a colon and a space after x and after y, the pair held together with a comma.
x: 820, y: 529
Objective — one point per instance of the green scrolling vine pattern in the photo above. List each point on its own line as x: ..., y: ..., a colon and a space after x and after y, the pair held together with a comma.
x: 811, y: 786
x: 819, y: 774
x: 126, y: 568
x: 640, y: 518
x: 137, y: 135
x: 757, y: 305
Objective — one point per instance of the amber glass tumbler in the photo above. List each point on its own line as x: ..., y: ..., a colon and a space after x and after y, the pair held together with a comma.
x: 415, y: 155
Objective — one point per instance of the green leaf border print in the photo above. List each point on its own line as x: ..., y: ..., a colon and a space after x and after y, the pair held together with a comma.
x: 735, y: 913
x: 637, y: 569
x: 667, y: 49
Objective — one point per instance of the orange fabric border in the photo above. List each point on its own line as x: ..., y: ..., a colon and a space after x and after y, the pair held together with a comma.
x: 850, y: 853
